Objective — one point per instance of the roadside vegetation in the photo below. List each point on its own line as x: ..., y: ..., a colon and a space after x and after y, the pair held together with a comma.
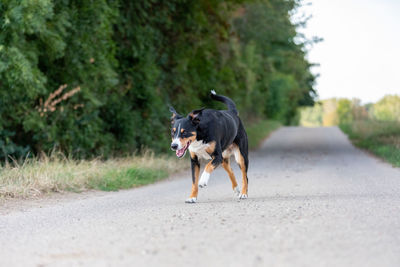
x: 59, y: 90
x: 99, y: 102
x: 257, y: 132
x: 374, y: 126
x: 56, y: 173
x: 42, y: 175
x: 380, y: 137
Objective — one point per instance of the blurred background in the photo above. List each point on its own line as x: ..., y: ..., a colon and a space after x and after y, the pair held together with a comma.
x: 358, y: 76
x: 358, y: 57
x: 85, y: 89
x: 94, y: 78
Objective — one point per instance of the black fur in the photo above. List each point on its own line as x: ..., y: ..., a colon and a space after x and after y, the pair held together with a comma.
x: 223, y: 127
x: 231, y: 105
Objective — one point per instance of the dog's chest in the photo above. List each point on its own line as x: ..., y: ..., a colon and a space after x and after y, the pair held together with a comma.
x: 199, y: 148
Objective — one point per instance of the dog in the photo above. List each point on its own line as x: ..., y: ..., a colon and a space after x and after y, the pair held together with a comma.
x: 213, y: 135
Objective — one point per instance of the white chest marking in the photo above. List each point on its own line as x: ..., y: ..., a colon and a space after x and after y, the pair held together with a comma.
x: 199, y: 148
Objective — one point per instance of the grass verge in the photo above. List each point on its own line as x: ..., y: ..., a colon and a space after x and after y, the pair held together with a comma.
x: 56, y: 173
x: 379, y: 137
x: 259, y: 130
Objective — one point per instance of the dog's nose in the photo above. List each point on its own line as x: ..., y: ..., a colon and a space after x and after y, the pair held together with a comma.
x: 174, y: 146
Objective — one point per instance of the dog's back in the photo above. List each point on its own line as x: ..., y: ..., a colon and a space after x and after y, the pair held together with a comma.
x: 220, y: 125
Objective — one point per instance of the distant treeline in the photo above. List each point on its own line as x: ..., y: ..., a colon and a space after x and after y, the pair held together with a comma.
x: 373, y: 126
x: 343, y: 111
x: 94, y: 78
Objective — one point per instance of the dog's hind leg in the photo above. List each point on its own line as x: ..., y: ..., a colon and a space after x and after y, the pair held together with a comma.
x: 227, y: 166
x: 243, y: 164
x: 242, y: 158
x: 195, y: 178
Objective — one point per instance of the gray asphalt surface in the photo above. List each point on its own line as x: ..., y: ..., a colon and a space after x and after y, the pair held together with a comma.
x: 314, y: 200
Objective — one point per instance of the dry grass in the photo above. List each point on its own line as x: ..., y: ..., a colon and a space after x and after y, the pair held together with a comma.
x: 371, y: 128
x: 379, y: 137
x: 393, y: 140
x: 57, y: 173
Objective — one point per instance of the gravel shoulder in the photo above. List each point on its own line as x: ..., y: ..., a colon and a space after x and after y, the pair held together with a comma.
x: 314, y: 200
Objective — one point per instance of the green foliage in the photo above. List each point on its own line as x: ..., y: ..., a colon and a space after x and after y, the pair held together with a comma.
x: 344, y: 111
x: 130, y: 59
x: 380, y: 137
x: 388, y: 108
x: 323, y: 113
x: 277, y: 78
x: 45, y: 45
x: 258, y: 131
x: 312, y: 116
x: 127, y: 178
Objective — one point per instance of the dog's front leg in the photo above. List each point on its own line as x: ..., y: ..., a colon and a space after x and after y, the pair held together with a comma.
x: 210, y: 167
x: 195, y: 178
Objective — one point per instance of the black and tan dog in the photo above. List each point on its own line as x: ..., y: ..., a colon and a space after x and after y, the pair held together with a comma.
x: 213, y: 135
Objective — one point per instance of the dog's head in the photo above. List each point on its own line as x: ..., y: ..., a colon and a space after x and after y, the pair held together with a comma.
x: 183, y: 130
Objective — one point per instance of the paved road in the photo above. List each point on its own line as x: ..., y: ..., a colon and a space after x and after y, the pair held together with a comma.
x: 314, y: 200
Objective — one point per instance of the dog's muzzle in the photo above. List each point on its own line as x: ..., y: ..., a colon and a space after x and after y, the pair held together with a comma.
x: 174, y: 146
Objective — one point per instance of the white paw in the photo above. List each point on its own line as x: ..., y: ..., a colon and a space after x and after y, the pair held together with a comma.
x: 204, y: 179
x: 236, y: 191
x: 191, y: 200
x: 202, y: 185
x: 242, y: 196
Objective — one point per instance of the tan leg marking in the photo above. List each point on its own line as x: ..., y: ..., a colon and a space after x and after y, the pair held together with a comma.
x: 209, y: 167
x: 244, y: 174
x: 227, y: 166
x: 195, y: 186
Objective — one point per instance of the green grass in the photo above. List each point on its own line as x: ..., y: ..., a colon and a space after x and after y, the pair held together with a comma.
x: 38, y: 176
x: 122, y: 179
x: 56, y: 173
x: 381, y: 138
x: 259, y: 130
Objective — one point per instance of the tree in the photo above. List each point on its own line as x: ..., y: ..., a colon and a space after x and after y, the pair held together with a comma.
x: 388, y: 108
x: 94, y: 78
x: 344, y: 111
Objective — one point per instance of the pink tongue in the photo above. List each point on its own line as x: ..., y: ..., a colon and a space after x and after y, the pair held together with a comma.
x: 180, y: 152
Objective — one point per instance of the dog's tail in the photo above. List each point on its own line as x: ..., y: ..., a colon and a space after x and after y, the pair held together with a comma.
x: 226, y: 100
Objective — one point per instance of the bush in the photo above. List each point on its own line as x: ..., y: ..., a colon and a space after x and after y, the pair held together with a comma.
x: 130, y: 59
x: 379, y: 137
x: 388, y: 108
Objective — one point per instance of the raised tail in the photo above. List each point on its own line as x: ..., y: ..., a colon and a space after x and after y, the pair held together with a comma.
x: 226, y: 100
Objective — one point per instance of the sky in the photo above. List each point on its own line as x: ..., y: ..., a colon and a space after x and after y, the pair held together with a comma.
x: 360, y: 54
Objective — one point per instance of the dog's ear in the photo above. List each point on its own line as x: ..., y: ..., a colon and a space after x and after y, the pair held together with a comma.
x: 194, y: 116
x: 175, y: 115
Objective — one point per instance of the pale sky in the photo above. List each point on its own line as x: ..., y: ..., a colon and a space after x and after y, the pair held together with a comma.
x: 360, y: 54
